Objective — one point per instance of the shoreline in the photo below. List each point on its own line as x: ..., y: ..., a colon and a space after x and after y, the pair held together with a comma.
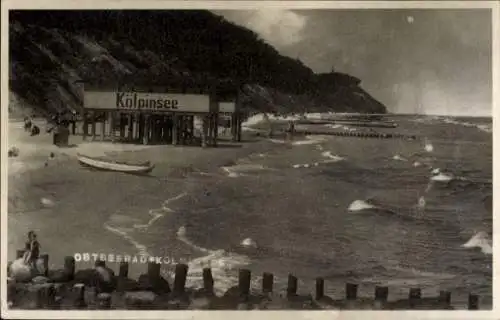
x: 180, y: 168
x: 59, y: 200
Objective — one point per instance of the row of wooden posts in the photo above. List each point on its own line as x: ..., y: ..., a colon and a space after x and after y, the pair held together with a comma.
x: 244, y: 281
x: 149, y: 128
x: 377, y: 135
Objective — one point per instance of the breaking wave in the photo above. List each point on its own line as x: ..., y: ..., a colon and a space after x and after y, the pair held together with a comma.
x: 329, y: 155
x: 239, y: 170
x: 482, y: 241
x: 488, y: 128
x: 46, y: 202
x: 331, y: 158
x: 397, y: 157
x: 309, y: 140
x: 222, y: 263
x: 428, y: 146
x: 360, y: 205
x: 442, y: 177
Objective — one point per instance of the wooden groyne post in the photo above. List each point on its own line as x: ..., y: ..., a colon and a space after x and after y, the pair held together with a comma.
x: 45, y: 297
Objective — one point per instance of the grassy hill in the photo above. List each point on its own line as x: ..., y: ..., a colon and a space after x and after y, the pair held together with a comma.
x: 50, y: 50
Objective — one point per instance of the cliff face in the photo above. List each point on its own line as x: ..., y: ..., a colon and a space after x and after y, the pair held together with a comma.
x: 50, y: 50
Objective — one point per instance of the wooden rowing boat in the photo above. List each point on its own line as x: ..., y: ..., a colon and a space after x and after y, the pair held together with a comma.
x: 110, y: 165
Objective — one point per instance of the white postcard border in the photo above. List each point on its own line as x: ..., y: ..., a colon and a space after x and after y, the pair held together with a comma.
x: 260, y: 315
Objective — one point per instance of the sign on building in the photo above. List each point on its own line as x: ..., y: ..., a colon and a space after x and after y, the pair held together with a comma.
x: 145, y: 101
x: 227, y: 107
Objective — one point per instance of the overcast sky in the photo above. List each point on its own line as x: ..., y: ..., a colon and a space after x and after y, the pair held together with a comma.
x: 433, y: 61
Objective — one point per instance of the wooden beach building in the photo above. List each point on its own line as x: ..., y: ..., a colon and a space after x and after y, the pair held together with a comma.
x: 160, y: 114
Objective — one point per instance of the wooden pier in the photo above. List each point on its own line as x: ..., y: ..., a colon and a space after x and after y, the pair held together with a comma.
x: 68, y: 289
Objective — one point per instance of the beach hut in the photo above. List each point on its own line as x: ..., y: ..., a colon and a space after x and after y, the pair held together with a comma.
x: 160, y: 113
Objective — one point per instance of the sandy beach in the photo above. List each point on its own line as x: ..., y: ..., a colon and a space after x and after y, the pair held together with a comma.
x: 67, y: 204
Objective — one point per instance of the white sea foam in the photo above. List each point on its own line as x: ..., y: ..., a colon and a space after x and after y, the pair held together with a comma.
x: 223, y: 264
x: 261, y: 117
x: 309, y: 140
x: 304, y: 142
x: 156, y: 214
x: 182, y: 235
x: 230, y: 172
x: 482, y: 127
x: 277, y: 141
x: 359, y: 205
x: 249, y: 243
x: 398, y: 157
x: 329, y: 155
x: 429, y: 186
x: 117, y: 222
x: 442, y: 177
x: 139, y: 246
x: 305, y: 165
x: 485, y: 127
x: 238, y: 170
x: 428, y: 147
x: 333, y: 126
x: 46, y: 202
x: 165, y: 203
x: 417, y: 164
x: 480, y: 240
x: 421, y: 202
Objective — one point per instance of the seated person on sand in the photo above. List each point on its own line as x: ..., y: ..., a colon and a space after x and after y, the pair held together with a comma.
x: 35, y: 131
x: 32, y: 252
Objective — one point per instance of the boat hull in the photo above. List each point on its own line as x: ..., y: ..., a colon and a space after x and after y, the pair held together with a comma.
x: 114, y: 166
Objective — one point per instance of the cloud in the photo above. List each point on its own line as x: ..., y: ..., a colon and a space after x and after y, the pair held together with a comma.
x: 439, y: 63
x: 279, y: 27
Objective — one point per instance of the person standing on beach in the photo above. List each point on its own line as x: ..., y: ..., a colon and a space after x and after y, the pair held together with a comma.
x: 32, y: 250
x: 290, y: 130
x: 73, y: 118
x: 27, y: 123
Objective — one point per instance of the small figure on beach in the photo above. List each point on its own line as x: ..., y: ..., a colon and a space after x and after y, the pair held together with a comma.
x: 27, y: 123
x: 73, y: 118
x: 51, y: 157
x: 32, y: 247
x: 13, y: 152
x: 35, y: 130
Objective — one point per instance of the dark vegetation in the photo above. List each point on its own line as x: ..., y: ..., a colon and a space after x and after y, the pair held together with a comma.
x: 50, y: 50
